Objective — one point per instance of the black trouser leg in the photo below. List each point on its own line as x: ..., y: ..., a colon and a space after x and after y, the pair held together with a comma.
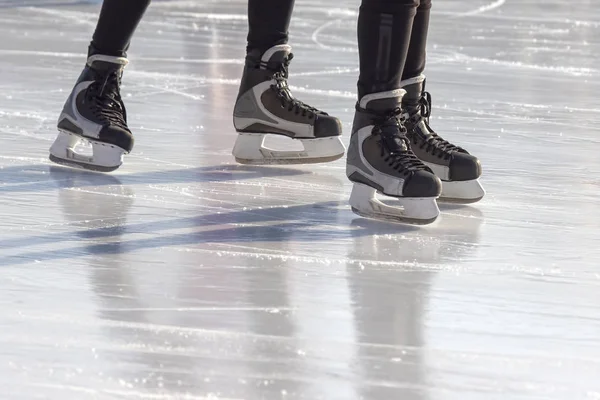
x: 117, y: 22
x: 384, y: 32
x: 268, y: 22
x: 415, y: 62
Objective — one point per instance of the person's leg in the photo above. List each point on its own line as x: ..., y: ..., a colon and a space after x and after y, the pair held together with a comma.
x: 417, y: 52
x: 384, y: 31
x: 94, y: 111
x: 379, y: 155
x: 268, y: 23
x: 265, y: 104
x: 458, y: 170
x: 116, y: 25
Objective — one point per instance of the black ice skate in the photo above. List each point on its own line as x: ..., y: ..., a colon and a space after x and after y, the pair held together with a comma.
x: 380, y: 160
x: 458, y: 170
x: 265, y: 106
x: 95, y: 113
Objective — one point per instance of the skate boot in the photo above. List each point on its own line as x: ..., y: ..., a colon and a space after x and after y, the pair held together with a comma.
x: 266, y: 106
x: 94, y: 113
x: 458, y: 170
x: 380, y: 160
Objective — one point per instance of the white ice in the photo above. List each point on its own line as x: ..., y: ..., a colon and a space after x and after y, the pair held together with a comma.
x: 186, y: 276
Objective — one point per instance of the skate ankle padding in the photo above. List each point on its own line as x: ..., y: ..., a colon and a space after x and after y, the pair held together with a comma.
x: 103, y: 58
x: 393, y: 96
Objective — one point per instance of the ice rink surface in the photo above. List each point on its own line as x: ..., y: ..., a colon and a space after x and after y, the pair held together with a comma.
x: 186, y: 276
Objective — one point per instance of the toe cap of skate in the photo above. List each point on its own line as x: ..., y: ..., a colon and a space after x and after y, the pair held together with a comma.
x: 464, y: 167
x: 326, y: 125
x: 117, y: 136
x: 422, y: 184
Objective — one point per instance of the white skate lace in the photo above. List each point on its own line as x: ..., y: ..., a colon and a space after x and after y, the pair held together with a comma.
x: 280, y: 75
x: 432, y: 143
x: 395, y: 146
x: 105, y: 97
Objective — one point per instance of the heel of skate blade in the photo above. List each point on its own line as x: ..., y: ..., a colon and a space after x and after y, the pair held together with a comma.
x: 247, y: 148
x: 65, y: 140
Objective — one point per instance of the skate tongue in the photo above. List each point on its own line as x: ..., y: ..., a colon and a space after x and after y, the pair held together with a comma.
x: 393, y: 140
x: 420, y: 129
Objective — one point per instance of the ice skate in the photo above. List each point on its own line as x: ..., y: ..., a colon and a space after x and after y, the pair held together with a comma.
x: 380, y: 160
x: 94, y: 113
x: 266, y: 106
x: 458, y: 170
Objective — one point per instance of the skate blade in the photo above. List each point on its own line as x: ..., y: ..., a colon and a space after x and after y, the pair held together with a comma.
x: 106, y: 157
x: 81, y: 165
x: 288, y: 161
x: 414, y: 211
x: 249, y: 149
x: 462, y: 192
x: 394, y: 219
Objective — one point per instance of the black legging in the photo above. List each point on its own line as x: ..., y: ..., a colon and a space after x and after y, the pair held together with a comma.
x: 415, y: 61
x: 392, y: 35
x: 268, y: 22
x: 116, y: 25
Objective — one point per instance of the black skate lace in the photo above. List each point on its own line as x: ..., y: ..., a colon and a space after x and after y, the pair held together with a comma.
x: 390, y: 126
x: 105, y: 97
x: 434, y: 144
x: 280, y: 75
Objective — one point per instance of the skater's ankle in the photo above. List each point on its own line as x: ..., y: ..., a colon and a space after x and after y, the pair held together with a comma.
x: 382, y: 102
x: 93, y: 50
x: 258, y: 49
x: 272, y: 58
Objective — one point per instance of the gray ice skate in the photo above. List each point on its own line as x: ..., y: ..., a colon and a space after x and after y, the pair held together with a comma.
x: 458, y: 170
x: 94, y: 113
x: 265, y: 105
x: 380, y: 160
